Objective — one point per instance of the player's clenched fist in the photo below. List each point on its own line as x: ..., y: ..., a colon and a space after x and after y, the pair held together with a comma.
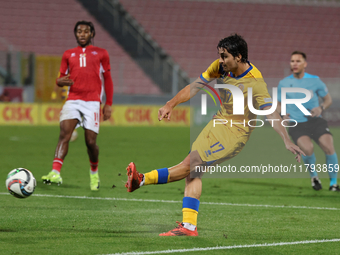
x: 107, y: 112
x: 64, y: 81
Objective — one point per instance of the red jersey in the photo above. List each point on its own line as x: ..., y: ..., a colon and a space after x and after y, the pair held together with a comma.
x: 85, y: 66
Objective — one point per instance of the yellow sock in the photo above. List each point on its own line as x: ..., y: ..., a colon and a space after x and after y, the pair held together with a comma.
x: 159, y: 176
x: 190, y: 216
x: 151, y: 177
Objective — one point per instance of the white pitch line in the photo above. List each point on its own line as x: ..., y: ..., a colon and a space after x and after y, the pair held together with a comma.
x: 226, y: 247
x: 173, y: 201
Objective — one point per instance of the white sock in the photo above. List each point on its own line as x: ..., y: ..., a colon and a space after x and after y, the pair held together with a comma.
x: 94, y: 172
x: 55, y: 171
x: 189, y: 226
x: 142, y: 182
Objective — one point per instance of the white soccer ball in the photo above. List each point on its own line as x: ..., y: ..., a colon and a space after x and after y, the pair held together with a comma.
x: 20, y: 183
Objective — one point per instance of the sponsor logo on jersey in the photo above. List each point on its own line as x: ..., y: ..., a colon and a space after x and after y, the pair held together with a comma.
x: 241, y: 87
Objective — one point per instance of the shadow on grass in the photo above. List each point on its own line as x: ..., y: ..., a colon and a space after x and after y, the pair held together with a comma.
x: 7, y: 230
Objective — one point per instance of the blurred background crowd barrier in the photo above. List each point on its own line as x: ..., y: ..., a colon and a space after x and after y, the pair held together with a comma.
x: 157, y: 47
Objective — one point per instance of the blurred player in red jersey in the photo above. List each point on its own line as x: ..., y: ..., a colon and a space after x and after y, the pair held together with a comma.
x: 81, y: 70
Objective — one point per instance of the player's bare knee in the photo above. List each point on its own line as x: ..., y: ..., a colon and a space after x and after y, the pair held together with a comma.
x: 91, y: 143
x: 326, y: 144
x: 308, y: 151
x: 193, y: 187
x: 195, y: 163
x: 329, y: 149
x: 191, y: 178
x: 186, y: 163
x: 64, y: 137
x: 307, y: 148
x: 195, y: 160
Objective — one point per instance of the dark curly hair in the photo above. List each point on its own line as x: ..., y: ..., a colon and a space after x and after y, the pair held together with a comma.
x: 235, y: 45
x: 87, y: 23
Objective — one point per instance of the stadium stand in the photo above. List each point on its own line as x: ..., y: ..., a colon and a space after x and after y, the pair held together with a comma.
x: 190, y: 30
x: 46, y: 28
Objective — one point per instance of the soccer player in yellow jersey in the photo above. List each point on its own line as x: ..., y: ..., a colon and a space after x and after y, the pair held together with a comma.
x: 223, y: 141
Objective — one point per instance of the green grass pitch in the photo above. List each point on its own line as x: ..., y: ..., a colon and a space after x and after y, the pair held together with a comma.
x: 64, y: 220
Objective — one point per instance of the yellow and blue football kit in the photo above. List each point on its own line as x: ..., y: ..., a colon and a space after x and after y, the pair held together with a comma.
x: 219, y: 142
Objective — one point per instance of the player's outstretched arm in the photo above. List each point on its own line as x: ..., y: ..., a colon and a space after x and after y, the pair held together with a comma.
x: 284, y: 135
x: 278, y: 109
x: 182, y: 96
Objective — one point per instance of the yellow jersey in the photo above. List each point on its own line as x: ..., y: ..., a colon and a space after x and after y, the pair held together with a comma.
x: 252, y: 77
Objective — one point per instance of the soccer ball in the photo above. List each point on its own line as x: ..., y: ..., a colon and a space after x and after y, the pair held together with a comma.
x: 20, y: 183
